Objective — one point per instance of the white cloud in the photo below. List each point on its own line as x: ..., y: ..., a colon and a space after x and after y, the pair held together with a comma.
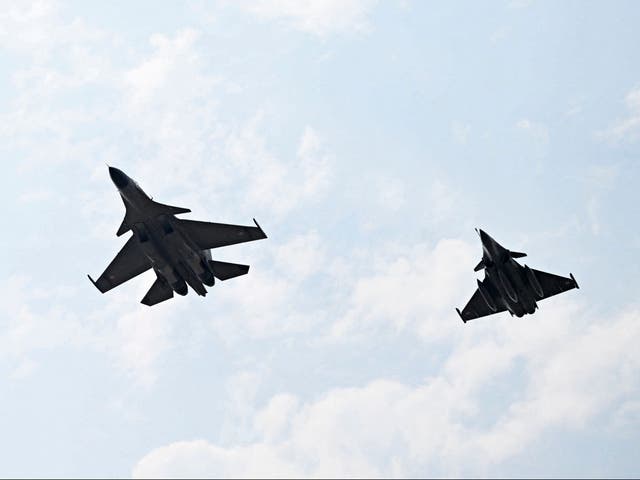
x: 626, y: 129
x: 520, y: 3
x: 33, y: 28
x: 500, y: 34
x: 460, y: 132
x: 36, y: 320
x: 200, y: 459
x: 274, y: 421
x: 538, y: 131
x: 414, y: 291
x: 259, y: 306
x: 35, y: 196
x: 25, y: 368
x: 575, y: 106
x: 579, y: 381
x: 627, y: 418
x: 599, y: 179
x: 271, y: 301
x: 633, y: 99
x: 170, y: 112
x: 383, y: 197
x: 277, y: 184
x: 165, y: 109
x: 318, y: 17
x: 301, y: 256
x: 241, y: 390
x: 443, y: 202
x: 166, y: 116
x: 391, y: 193
x: 59, y: 53
x: 172, y: 70
x: 25, y: 329
x: 58, y: 56
x: 573, y: 372
x: 135, y: 337
x: 141, y: 338
x: 162, y: 113
x: 398, y: 287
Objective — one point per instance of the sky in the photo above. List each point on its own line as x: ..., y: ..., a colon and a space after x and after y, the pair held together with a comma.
x: 369, y: 139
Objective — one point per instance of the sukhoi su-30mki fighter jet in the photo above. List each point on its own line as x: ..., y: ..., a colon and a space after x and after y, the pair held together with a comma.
x: 178, y: 250
x: 507, y: 285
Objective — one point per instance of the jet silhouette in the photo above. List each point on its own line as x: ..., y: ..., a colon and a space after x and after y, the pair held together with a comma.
x: 178, y: 250
x: 507, y: 285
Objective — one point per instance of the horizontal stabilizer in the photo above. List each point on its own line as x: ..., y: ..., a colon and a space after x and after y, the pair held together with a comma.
x: 225, y: 271
x: 159, y: 292
x: 124, y: 228
x: 517, y: 254
x: 479, y: 267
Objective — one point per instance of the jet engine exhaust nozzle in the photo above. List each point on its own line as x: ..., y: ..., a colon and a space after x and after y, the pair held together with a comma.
x: 180, y: 287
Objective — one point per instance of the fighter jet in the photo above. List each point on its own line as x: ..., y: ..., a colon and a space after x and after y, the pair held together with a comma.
x: 507, y: 285
x: 178, y: 250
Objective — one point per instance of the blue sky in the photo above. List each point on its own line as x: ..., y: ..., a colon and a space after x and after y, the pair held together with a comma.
x: 368, y: 139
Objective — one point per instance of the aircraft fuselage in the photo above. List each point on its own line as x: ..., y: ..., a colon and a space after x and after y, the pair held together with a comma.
x: 509, y: 281
x: 173, y: 256
x: 505, y: 279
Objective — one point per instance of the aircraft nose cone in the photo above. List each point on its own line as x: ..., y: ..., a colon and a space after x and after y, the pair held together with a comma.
x: 488, y: 243
x: 118, y: 177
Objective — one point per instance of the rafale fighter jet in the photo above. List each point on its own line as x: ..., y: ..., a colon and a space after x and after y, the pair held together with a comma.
x: 507, y: 285
x: 176, y: 249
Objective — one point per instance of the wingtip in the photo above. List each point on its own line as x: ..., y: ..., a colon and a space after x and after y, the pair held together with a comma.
x: 459, y: 313
x: 574, y: 281
x: 259, y: 228
x: 94, y: 283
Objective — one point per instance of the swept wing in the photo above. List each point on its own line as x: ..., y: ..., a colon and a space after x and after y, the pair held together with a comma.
x: 554, y: 284
x: 129, y: 262
x: 208, y: 235
x: 477, y: 307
